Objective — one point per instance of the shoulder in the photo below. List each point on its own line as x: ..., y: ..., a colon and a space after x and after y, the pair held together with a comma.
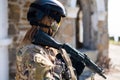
x: 29, y: 49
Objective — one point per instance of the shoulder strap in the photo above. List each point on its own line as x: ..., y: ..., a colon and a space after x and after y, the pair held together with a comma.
x: 68, y: 63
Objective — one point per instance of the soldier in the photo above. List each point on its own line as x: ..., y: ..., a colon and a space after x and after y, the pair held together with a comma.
x: 39, y: 62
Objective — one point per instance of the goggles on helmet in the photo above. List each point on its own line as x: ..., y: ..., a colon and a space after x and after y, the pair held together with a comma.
x: 55, y: 15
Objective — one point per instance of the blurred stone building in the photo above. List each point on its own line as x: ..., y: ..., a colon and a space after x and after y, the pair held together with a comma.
x: 85, y: 28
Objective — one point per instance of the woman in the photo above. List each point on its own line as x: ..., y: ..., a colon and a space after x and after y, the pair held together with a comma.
x: 36, y: 61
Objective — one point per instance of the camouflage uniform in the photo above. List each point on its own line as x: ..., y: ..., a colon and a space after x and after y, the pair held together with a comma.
x: 40, y: 63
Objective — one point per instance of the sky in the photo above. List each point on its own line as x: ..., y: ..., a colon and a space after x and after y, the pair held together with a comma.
x: 113, y: 17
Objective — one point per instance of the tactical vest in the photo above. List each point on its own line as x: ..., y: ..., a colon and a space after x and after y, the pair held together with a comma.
x: 43, y: 63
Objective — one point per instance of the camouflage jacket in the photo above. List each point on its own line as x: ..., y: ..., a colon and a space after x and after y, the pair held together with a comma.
x: 40, y: 63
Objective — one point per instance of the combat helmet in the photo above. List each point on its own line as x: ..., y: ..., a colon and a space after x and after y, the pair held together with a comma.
x: 39, y: 8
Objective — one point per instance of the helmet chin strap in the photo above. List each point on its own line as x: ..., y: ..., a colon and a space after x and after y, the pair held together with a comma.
x: 41, y: 25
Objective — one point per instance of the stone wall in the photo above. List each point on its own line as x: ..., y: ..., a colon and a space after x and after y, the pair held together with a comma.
x: 17, y: 16
x: 17, y: 10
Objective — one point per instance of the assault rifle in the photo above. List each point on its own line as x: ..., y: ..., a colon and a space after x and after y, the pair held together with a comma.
x: 44, y: 39
x: 77, y: 55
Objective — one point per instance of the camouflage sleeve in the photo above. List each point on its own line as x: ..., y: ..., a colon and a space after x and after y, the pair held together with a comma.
x: 32, y: 64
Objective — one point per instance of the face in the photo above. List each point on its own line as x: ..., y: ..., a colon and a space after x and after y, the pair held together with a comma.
x: 53, y: 25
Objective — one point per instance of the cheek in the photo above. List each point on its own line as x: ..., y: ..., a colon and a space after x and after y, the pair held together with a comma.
x: 54, y: 26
